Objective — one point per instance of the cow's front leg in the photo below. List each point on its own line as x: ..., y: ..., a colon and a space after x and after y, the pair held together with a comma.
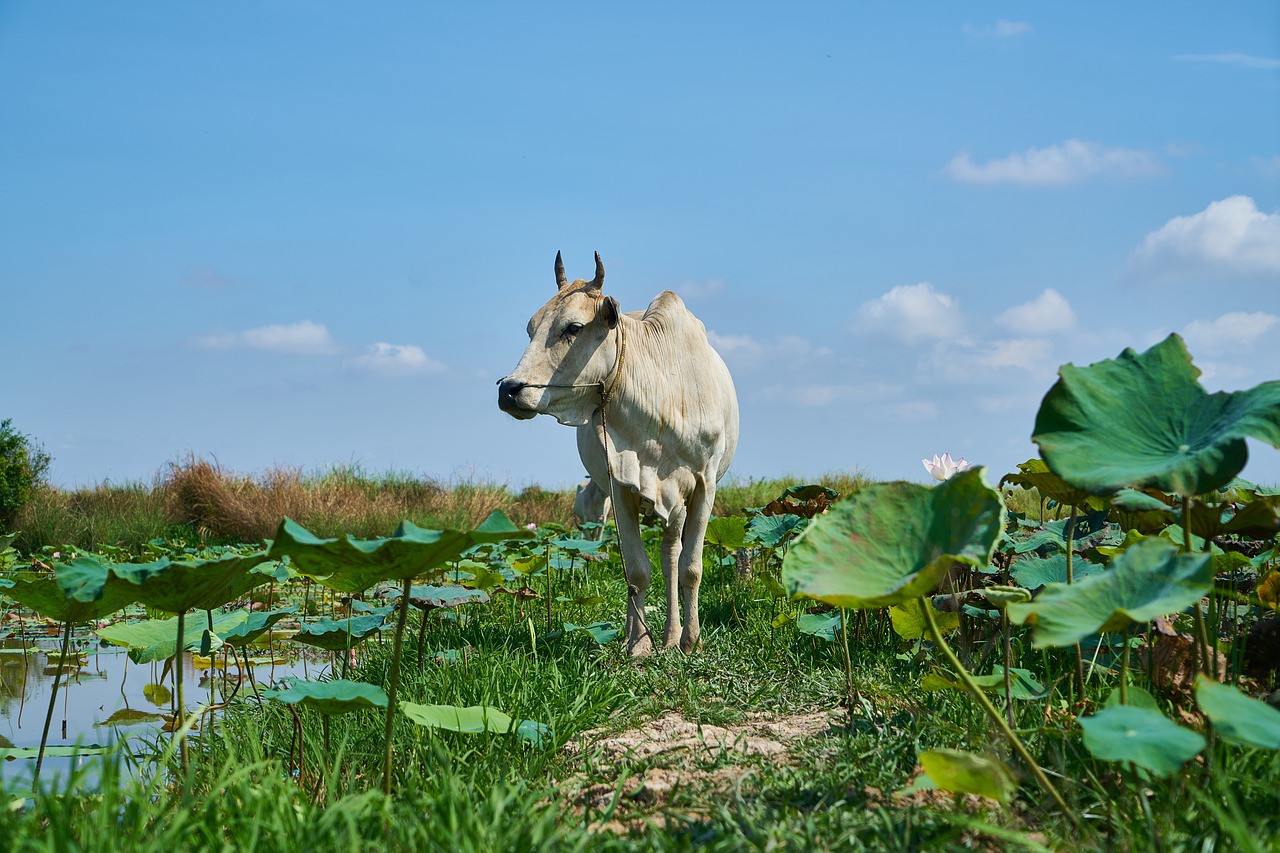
x: 690, y: 566
x: 638, y: 571
x: 671, y: 548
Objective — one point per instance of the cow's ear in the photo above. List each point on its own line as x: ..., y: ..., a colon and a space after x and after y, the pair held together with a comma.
x: 610, y: 311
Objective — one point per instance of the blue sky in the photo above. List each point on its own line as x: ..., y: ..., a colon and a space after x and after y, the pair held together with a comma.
x: 305, y: 234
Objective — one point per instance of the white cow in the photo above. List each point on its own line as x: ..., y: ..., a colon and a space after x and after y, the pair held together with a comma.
x: 657, y: 419
x: 591, y: 503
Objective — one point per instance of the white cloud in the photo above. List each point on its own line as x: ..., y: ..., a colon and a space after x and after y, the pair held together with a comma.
x: 1000, y: 29
x: 301, y: 338
x: 977, y: 361
x: 816, y: 395
x: 1047, y: 313
x: 1230, y: 331
x: 910, y: 313
x: 1248, y: 61
x: 744, y: 351
x: 1228, y: 236
x: 700, y: 289
x: 396, y: 360
x: 1065, y: 163
x: 1268, y: 167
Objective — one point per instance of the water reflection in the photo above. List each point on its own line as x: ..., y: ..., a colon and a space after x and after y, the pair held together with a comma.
x: 105, y: 697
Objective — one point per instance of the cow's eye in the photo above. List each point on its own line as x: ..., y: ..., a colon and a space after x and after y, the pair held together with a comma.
x: 572, y: 329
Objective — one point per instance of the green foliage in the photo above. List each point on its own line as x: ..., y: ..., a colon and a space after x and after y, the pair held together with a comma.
x: 1143, y: 419
x: 965, y: 773
x: 23, y: 466
x: 1142, y: 736
x: 1238, y: 718
x: 331, y: 697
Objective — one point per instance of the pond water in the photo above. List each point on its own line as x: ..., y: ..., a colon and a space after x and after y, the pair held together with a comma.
x: 104, y: 697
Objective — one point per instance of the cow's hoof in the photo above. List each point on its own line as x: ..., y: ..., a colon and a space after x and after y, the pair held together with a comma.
x: 641, y: 647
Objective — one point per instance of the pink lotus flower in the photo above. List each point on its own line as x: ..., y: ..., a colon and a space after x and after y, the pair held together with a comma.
x: 943, y: 467
x: 531, y: 526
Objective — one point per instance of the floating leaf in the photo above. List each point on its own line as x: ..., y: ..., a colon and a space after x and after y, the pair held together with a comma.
x: 331, y: 697
x: 130, y: 717
x: 891, y: 542
x: 1144, y: 420
x: 1237, y: 717
x: 1150, y: 579
x: 908, y: 619
x: 158, y: 695
x: 1147, y: 738
x: 966, y: 773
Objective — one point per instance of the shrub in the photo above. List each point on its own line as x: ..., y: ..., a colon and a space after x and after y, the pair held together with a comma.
x: 23, y: 466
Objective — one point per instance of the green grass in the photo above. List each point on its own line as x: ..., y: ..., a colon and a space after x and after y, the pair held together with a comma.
x: 833, y: 789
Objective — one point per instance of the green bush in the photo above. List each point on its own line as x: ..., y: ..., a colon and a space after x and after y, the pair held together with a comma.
x: 23, y: 466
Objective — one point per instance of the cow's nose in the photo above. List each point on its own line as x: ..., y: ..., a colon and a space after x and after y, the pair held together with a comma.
x: 507, y: 391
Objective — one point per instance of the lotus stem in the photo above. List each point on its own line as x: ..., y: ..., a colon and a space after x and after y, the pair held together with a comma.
x: 179, y: 711
x: 1197, y: 615
x: 394, y: 682
x: 1124, y: 669
x: 991, y: 711
x: 848, y: 664
x: 1008, y: 662
x: 53, y: 696
x: 1071, y: 578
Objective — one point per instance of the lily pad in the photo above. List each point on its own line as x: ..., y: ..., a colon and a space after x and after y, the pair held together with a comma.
x: 891, y: 542
x: 1144, y: 420
x: 331, y: 697
x: 1145, y: 737
x: 1149, y: 579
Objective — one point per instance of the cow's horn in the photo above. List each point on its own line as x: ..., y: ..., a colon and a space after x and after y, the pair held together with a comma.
x: 598, y: 282
x: 561, y: 280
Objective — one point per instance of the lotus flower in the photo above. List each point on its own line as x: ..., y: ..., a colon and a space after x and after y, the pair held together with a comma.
x: 942, y: 467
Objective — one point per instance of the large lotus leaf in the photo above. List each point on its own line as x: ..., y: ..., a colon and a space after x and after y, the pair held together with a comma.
x: 354, y: 565
x: 157, y: 639
x: 331, y: 697
x: 894, y: 541
x: 178, y: 586
x: 1038, y: 572
x: 1147, y: 738
x: 341, y: 634
x: 966, y: 773
x: 729, y: 532
x: 1144, y: 420
x: 80, y: 591
x: 1237, y: 717
x: 1151, y: 578
x: 255, y: 626
x: 579, y: 546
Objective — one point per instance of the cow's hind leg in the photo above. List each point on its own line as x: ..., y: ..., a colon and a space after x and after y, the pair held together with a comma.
x: 672, y: 542
x: 690, y: 566
x: 638, y: 571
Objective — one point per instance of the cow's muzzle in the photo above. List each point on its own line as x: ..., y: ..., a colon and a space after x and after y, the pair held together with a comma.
x: 508, y: 390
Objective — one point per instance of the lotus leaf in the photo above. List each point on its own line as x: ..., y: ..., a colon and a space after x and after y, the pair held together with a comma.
x: 1237, y: 717
x: 1144, y: 420
x: 179, y: 586
x: 728, y: 532
x: 80, y: 591
x: 966, y: 773
x: 580, y: 546
x: 341, y: 634
x: 1035, y: 474
x: 1150, y: 579
x: 1147, y: 738
x: 773, y: 530
x: 257, y: 624
x: 331, y: 697
x: 894, y: 541
x: 354, y: 565
x: 821, y: 625
x: 1022, y: 684
x: 601, y: 632
x: 908, y: 619
x: 435, y: 597
x: 1037, y: 572
x: 474, y: 720
x: 157, y: 639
